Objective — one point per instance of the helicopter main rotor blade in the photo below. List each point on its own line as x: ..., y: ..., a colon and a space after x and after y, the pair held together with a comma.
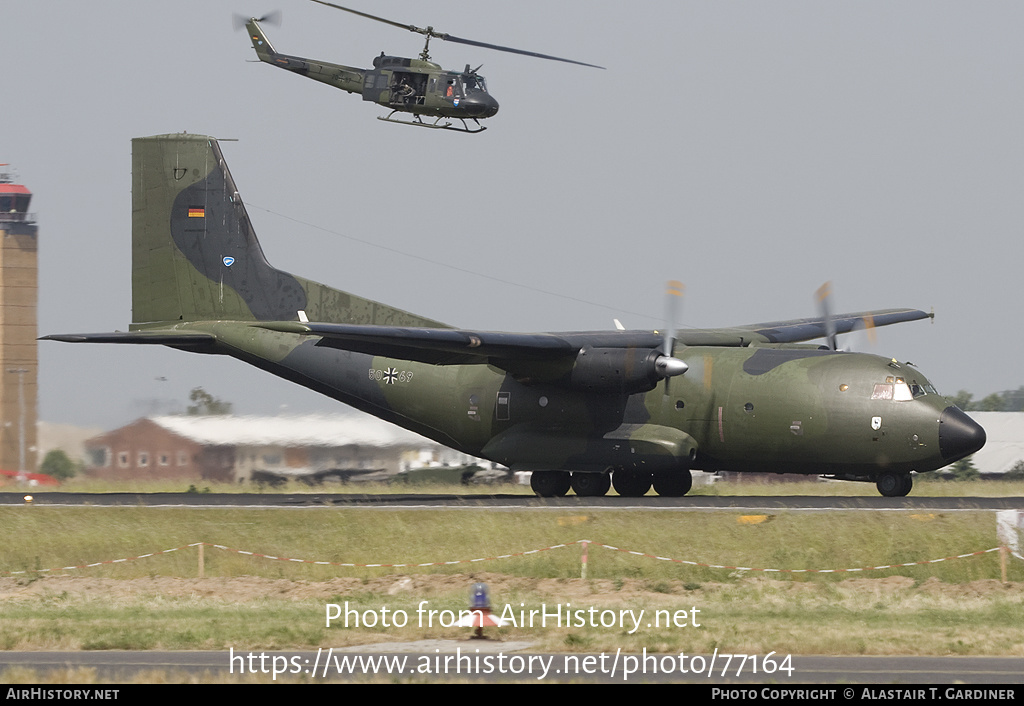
x: 485, y: 45
x: 412, y: 28
x: 430, y: 32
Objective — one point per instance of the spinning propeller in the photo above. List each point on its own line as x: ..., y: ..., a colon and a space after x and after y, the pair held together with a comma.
x: 271, y: 18
x: 668, y: 366
x: 864, y: 329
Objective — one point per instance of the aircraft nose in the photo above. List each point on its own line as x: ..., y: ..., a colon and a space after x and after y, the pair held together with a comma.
x: 480, y: 105
x: 959, y: 435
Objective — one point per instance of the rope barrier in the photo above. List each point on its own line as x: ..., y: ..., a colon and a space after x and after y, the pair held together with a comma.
x: 584, y: 542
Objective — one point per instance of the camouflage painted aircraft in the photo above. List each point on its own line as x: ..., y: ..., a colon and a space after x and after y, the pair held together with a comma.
x: 416, y: 86
x: 583, y: 410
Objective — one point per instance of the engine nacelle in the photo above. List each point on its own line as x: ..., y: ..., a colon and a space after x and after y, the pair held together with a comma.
x: 626, y: 370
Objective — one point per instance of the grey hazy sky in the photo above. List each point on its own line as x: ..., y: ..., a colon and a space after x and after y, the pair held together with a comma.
x: 751, y: 149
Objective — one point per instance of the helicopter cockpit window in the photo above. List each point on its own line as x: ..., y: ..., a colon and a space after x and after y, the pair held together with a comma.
x: 475, y: 83
x: 453, y: 89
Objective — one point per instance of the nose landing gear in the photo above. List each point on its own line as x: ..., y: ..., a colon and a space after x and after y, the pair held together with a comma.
x: 894, y: 485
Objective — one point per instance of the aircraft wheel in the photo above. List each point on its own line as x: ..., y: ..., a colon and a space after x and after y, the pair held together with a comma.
x: 631, y: 484
x: 894, y: 485
x: 550, y: 484
x: 673, y: 484
x: 908, y: 483
x: 591, y: 484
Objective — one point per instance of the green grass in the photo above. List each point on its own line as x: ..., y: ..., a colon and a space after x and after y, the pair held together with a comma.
x: 43, y: 537
x: 952, y: 607
x: 750, y: 616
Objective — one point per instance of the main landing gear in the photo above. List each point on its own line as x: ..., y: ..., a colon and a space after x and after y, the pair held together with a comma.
x: 628, y: 483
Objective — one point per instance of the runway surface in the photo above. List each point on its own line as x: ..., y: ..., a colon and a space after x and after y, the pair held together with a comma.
x: 444, y: 660
x: 411, y: 500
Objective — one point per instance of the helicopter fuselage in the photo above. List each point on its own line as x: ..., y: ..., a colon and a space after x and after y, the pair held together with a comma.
x: 414, y: 86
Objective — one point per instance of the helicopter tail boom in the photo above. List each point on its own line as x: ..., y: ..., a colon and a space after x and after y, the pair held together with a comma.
x: 347, y: 78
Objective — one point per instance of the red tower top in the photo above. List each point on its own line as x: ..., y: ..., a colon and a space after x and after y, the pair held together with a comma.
x: 14, y: 200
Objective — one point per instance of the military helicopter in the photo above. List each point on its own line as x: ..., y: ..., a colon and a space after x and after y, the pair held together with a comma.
x: 583, y: 410
x: 416, y: 86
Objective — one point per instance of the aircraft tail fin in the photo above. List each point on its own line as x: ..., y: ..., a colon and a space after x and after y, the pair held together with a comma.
x: 264, y: 49
x: 195, y: 256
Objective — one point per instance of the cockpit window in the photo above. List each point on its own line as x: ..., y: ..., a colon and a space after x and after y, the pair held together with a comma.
x: 920, y: 389
x: 475, y: 83
x: 454, y: 88
x: 899, y: 389
x: 902, y: 391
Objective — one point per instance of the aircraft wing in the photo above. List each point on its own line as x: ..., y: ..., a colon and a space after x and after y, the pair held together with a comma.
x: 445, y: 346
x: 449, y: 346
x: 797, y: 330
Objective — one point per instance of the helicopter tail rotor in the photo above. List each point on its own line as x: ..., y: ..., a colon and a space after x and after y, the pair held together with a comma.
x: 271, y: 18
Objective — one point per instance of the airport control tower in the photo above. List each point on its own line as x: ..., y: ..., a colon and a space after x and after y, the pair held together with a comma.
x: 19, y: 358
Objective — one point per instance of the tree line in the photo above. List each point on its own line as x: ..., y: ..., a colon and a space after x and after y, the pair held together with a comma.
x: 1007, y: 401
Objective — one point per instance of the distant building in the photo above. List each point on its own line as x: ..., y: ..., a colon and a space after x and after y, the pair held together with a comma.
x: 1005, y: 445
x: 238, y: 448
x: 19, y: 358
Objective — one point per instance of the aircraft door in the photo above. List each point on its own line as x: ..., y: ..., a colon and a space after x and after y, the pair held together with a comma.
x: 376, y: 86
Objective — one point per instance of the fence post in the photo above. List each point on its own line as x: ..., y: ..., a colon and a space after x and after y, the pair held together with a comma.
x: 202, y: 546
x: 583, y: 559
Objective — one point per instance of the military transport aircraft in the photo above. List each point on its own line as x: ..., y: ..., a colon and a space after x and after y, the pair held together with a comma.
x: 416, y: 86
x: 584, y: 410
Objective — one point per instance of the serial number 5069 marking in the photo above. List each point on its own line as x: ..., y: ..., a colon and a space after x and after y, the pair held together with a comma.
x: 390, y: 376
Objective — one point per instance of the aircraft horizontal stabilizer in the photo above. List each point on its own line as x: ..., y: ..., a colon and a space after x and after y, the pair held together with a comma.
x: 178, y: 339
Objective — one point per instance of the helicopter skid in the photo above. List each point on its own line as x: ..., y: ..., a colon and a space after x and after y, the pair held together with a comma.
x: 436, y: 125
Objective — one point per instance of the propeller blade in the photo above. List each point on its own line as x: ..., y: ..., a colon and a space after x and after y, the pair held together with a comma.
x: 668, y: 366
x: 824, y: 293
x: 673, y: 294
x: 863, y: 336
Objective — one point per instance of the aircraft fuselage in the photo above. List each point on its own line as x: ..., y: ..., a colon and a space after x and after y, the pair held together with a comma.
x: 759, y: 409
